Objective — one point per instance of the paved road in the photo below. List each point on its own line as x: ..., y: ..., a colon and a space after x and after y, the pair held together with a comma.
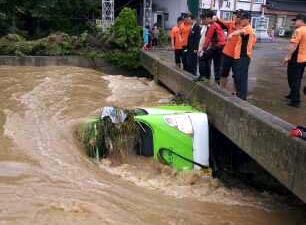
x: 268, y: 81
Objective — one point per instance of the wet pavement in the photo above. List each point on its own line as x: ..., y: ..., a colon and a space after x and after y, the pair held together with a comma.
x: 45, y: 177
x: 268, y: 81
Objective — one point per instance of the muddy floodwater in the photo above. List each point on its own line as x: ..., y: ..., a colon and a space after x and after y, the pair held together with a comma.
x: 45, y: 177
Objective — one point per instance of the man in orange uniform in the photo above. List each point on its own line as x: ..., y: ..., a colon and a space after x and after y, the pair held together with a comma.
x: 185, y: 28
x: 296, y: 59
x: 176, y: 42
x: 243, y: 53
x: 227, y: 60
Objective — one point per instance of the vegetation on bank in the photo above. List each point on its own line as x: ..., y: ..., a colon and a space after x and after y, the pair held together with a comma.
x: 119, y: 45
x: 124, y: 40
x: 38, y: 18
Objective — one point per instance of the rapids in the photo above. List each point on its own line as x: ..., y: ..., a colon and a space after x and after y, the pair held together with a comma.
x: 45, y: 177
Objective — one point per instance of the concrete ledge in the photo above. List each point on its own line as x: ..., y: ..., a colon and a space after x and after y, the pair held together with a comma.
x: 79, y: 61
x: 45, y: 61
x: 260, y: 134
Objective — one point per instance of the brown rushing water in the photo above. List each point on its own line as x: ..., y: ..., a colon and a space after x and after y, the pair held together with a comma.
x: 46, y: 179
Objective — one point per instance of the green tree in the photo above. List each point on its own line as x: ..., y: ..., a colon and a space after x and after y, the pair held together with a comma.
x: 40, y: 17
x: 124, y: 40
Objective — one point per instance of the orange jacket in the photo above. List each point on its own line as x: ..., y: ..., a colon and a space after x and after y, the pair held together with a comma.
x: 176, y: 37
x: 251, y: 43
x: 229, y: 48
x: 299, y: 38
x: 185, y: 31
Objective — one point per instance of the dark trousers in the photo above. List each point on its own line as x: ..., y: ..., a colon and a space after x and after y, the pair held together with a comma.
x: 154, y: 42
x: 295, y: 73
x: 192, y: 62
x: 205, y: 67
x: 212, y: 55
x: 184, y: 58
x: 241, y: 76
x: 178, y: 53
x: 227, y: 63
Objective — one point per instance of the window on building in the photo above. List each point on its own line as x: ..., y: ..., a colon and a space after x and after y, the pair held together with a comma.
x: 226, y: 15
x: 257, y: 23
x: 259, y: 1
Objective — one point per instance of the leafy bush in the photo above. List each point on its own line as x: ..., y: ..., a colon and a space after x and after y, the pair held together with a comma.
x: 124, y: 40
x: 163, y: 38
x: 12, y: 38
x: 55, y: 44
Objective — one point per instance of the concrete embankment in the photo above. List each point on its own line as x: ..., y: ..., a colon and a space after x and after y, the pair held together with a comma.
x: 261, y: 135
x: 79, y: 61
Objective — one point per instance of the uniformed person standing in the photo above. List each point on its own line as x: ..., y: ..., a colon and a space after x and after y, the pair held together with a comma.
x: 212, y: 47
x: 296, y: 59
x: 228, y: 53
x: 176, y: 42
x: 243, y: 53
x: 185, y: 29
x: 193, y: 46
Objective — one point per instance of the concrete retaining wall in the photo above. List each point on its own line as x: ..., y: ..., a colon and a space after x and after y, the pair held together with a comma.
x: 261, y: 135
x: 46, y: 61
x: 79, y: 61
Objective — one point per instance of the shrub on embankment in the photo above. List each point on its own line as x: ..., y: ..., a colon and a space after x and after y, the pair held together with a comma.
x: 123, y: 40
x: 120, y: 45
x: 54, y: 44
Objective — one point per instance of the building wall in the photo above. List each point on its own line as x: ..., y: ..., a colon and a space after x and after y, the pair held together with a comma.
x: 280, y: 21
x: 174, y: 8
x: 228, y: 5
x: 255, y: 6
x: 245, y: 5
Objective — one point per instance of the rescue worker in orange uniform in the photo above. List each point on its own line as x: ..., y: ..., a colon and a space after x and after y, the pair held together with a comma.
x: 243, y: 53
x: 228, y: 53
x: 185, y: 28
x: 296, y: 59
x: 176, y: 42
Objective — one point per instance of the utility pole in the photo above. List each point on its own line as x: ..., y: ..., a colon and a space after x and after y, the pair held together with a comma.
x: 108, y: 14
x: 147, y: 13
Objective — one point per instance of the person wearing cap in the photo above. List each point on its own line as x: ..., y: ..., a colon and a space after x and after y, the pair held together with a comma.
x: 227, y: 60
x: 185, y: 29
x: 296, y: 60
x: 176, y: 42
x: 193, y: 46
x: 212, y: 47
x: 243, y: 53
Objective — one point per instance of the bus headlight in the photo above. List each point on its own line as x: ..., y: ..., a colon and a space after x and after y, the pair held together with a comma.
x: 180, y: 122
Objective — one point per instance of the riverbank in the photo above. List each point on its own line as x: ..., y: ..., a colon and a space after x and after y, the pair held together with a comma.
x: 73, y: 60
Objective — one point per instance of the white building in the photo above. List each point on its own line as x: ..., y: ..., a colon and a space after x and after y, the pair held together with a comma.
x: 165, y: 12
x: 170, y: 10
